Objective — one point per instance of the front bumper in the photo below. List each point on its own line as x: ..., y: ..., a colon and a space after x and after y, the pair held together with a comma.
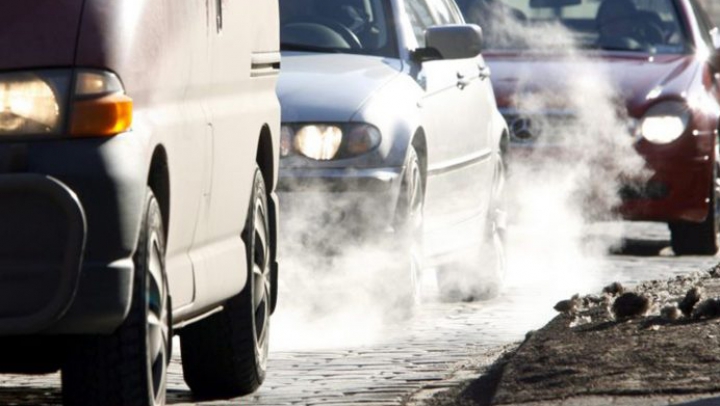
x: 678, y: 190
x: 354, y: 199
x: 70, y: 212
x: 42, y: 243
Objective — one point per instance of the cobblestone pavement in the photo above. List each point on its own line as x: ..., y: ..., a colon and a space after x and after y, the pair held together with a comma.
x: 395, y: 363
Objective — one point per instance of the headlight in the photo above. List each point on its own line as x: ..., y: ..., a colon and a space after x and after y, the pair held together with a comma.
x: 42, y: 103
x: 325, y: 142
x: 665, y: 122
x: 32, y: 103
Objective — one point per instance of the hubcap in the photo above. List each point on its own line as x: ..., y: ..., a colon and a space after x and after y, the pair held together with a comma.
x: 158, y: 330
x: 261, y: 282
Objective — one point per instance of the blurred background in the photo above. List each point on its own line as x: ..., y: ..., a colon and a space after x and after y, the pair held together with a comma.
x: 713, y: 8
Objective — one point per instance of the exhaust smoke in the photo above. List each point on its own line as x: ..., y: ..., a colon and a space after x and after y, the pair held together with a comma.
x: 566, y: 177
x: 336, y: 285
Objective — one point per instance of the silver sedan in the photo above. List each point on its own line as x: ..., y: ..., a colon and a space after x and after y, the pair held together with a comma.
x: 390, y: 128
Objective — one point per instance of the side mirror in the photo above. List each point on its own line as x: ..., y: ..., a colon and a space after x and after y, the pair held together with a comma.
x: 452, y: 42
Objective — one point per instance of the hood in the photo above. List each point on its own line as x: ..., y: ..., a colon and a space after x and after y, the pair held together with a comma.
x: 635, y: 77
x: 330, y: 87
x: 39, y: 33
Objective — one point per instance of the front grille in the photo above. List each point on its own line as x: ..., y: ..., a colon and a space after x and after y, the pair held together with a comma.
x: 550, y: 127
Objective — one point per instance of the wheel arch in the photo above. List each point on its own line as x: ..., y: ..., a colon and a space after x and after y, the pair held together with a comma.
x: 265, y: 157
x: 159, y: 182
x: 266, y: 161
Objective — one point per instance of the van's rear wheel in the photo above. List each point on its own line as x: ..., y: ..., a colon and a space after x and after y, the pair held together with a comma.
x: 129, y: 367
x: 226, y: 354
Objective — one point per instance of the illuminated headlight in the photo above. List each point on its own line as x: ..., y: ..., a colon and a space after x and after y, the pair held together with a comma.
x: 665, y: 122
x: 324, y: 142
x: 43, y: 103
x: 32, y: 103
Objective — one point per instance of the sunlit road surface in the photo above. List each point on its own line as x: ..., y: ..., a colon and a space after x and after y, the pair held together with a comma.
x: 357, y: 362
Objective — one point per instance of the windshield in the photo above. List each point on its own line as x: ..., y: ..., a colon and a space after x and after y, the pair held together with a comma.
x: 348, y: 26
x: 650, y: 26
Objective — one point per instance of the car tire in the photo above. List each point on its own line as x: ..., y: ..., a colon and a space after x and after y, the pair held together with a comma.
x: 225, y: 355
x: 408, y: 225
x: 699, y: 238
x: 129, y: 367
x: 480, y: 274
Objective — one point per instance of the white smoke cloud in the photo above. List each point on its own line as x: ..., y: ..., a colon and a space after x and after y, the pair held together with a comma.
x: 335, y: 287
x: 569, y: 179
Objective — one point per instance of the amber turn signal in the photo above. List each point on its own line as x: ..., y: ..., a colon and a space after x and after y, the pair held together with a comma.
x: 101, y: 117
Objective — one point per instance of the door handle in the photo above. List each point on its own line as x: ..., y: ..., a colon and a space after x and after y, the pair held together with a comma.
x: 484, y: 72
x: 463, y: 81
x: 219, y: 15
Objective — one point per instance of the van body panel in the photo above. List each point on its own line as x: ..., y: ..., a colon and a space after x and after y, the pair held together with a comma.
x: 38, y: 33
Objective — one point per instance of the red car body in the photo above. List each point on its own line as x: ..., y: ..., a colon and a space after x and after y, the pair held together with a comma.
x: 682, y: 187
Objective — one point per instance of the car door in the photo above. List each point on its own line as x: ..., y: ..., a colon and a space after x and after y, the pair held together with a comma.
x: 456, y: 120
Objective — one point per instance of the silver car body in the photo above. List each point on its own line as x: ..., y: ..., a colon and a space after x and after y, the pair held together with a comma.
x: 445, y: 108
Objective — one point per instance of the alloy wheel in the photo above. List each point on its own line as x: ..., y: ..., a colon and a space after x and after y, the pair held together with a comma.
x: 262, y: 282
x: 158, y: 330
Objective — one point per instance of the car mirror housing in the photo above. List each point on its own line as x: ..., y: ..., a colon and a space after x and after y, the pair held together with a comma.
x: 459, y: 41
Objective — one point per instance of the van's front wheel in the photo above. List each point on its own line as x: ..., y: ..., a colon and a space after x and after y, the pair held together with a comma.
x: 129, y: 367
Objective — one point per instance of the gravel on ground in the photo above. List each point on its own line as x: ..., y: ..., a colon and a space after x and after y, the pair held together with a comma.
x: 636, y: 345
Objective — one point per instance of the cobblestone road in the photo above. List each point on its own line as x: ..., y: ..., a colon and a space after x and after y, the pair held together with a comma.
x: 351, y: 361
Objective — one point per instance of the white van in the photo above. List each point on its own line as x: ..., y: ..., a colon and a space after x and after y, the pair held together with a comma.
x: 138, y: 164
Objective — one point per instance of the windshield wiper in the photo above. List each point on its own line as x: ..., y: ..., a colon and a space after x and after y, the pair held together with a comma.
x: 289, y: 46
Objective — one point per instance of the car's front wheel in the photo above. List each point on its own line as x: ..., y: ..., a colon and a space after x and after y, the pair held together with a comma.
x: 129, y: 367
x: 225, y: 355
x: 409, y: 235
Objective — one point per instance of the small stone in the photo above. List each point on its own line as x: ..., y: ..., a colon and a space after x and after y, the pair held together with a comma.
x: 614, y: 289
x: 592, y: 300
x: 692, y: 297
x: 580, y: 320
x: 630, y: 305
x: 707, y: 309
x: 568, y: 306
x: 670, y: 312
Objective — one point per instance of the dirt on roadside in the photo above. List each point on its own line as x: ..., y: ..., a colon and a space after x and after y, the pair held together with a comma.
x: 588, y: 351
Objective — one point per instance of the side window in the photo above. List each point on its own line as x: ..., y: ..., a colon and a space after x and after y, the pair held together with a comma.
x: 420, y: 18
x: 444, y: 13
x: 455, y: 12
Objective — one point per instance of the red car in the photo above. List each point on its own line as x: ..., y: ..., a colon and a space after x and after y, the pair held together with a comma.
x: 661, y: 55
